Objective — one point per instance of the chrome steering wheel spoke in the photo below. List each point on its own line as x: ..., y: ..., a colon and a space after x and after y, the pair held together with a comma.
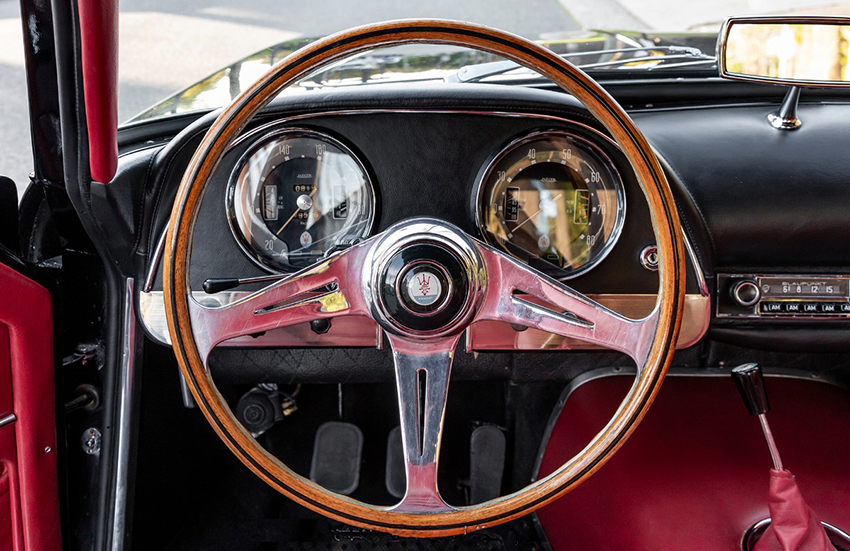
x: 325, y: 290
x: 558, y: 308
x: 422, y: 371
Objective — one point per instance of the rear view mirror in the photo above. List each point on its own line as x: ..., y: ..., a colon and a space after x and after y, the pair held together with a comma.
x: 796, y: 51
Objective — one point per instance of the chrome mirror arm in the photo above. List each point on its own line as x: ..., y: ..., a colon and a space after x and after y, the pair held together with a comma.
x: 785, y: 118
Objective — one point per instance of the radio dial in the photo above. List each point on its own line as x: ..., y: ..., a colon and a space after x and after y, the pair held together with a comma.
x: 746, y: 292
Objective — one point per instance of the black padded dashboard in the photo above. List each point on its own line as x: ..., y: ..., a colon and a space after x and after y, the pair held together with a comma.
x: 425, y: 149
x: 771, y: 200
x: 751, y: 198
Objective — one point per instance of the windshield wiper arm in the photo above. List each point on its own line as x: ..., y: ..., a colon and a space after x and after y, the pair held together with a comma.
x: 474, y: 73
x: 659, y: 58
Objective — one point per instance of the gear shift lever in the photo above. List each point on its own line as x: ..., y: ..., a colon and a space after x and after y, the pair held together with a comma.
x: 750, y: 382
x: 794, y: 526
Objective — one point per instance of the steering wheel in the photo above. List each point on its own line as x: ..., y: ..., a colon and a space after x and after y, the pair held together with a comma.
x: 470, y: 280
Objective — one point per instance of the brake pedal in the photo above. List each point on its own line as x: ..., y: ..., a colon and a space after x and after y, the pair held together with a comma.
x: 486, y: 463
x: 336, y: 457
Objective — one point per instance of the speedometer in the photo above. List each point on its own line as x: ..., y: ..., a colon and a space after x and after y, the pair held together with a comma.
x: 554, y: 200
x: 296, y: 196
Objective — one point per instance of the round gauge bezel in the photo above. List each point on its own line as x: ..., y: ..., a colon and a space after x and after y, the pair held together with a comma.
x: 230, y: 194
x: 484, y: 175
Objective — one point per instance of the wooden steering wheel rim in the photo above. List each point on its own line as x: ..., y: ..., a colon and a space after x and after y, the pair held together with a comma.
x: 290, y: 70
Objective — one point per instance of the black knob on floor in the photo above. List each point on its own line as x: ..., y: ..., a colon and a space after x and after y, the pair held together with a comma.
x: 750, y: 382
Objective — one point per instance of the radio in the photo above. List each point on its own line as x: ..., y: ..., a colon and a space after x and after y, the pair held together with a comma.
x: 783, y: 296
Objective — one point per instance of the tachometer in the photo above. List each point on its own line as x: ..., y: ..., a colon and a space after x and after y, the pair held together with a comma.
x: 552, y: 199
x: 297, y: 195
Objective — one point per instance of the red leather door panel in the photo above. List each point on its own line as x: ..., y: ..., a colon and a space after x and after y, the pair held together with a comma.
x: 29, y: 502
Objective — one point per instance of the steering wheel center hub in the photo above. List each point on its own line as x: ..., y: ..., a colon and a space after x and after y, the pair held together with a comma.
x: 426, y: 278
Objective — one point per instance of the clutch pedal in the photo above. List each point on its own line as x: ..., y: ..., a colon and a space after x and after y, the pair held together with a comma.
x: 336, y: 457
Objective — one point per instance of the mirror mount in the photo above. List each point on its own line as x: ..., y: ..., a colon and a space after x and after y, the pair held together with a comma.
x: 795, y: 51
x: 785, y: 118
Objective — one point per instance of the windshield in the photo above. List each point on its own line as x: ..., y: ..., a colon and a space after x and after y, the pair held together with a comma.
x: 193, y: 55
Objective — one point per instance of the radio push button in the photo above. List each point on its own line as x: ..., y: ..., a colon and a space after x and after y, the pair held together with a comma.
x: 771, y: 308
x: 793, y: 307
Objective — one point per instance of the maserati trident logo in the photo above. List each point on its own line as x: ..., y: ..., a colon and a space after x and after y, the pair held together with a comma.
x: 424, y: 288
x: 424, y: 283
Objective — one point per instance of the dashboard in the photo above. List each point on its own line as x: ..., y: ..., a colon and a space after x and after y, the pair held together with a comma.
x: 547, y: 186
x: 526, y: 170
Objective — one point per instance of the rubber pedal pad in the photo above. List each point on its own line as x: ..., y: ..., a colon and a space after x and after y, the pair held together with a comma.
x: 337, y: 450
x: 486, y: 463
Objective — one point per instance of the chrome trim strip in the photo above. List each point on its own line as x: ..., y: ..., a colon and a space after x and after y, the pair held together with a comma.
x: 8, y: 420
x: 348, y: 331
x: 698, y: 273
x: 757, y: 530
x: 123, y: 422
x: 723, y: 38
x: 155, y: 259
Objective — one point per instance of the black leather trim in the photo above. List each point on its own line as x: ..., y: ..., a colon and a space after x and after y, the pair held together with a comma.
x: 771, y: 200
x: 785, y: 338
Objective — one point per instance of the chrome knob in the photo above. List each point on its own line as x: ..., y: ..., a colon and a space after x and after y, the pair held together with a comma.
x: 745, y: 292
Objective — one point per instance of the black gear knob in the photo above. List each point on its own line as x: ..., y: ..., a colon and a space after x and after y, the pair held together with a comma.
x: 750, y: 382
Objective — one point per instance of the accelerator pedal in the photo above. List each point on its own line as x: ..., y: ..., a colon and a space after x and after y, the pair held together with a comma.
x: 336, y: 457
x: 395, y: 479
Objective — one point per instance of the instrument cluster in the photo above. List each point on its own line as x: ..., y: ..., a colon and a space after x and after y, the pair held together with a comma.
x: 551, y: 198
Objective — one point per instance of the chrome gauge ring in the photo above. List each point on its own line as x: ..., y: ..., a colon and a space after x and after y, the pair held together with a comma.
x: 296, y: 196
x: 553, y: 199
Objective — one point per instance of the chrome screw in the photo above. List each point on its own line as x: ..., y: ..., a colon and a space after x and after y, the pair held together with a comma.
x: 91, y: 441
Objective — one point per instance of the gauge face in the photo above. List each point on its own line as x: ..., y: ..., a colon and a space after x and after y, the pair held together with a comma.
x: 297, y: 196
x: 554, y: 200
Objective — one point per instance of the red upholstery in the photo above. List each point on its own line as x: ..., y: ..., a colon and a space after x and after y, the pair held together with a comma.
x: 692, y: 476
x: 99, y: 35
x: 793, y: 524
x: 29, y: 502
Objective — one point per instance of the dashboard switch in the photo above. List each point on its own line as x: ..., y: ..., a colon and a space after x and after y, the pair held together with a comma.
x: 746, y: 292
x: 649, y: 258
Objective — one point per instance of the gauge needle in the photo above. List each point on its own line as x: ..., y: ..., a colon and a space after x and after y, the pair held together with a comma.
x: 312, y: 193
x: 555, y: 198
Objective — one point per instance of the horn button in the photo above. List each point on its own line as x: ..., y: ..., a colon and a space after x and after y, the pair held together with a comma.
x: 424, y: 287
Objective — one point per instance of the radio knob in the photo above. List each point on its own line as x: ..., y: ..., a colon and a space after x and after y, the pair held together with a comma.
x: 746, y: 292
